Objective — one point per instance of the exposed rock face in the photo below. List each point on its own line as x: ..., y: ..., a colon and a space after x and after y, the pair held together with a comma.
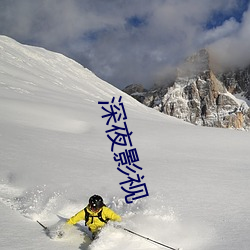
x: 137, y: 91
x: 237, y: 81
x: 199, y: 97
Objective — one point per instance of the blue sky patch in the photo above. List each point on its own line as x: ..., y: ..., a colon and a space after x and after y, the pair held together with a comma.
x: 136, y: 21
x: 219, y: 17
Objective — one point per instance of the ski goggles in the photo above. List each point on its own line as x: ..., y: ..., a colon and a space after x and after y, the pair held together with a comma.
x: 94, y: 208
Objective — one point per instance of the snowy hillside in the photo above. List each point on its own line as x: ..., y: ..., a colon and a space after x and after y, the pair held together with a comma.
x: 55, y: 154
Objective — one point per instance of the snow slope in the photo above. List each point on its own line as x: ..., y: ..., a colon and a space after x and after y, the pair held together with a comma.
x: 55, y: 154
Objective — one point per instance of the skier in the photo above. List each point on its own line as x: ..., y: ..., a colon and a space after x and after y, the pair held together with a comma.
x: 95, y: 214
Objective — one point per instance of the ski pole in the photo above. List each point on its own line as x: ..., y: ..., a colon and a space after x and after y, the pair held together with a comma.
x: 45, y: 228
x: 159, y: 243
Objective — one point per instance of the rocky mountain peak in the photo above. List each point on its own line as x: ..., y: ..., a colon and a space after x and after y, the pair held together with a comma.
x: 196, y: 64
x: 200, y: 96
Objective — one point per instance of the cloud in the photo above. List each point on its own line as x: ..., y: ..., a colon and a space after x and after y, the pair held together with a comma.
x: 228, y: 28
x: 121, y: 41
x: 233, y: 49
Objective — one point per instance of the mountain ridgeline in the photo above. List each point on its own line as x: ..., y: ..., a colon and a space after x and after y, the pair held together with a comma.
x: 201, y: 95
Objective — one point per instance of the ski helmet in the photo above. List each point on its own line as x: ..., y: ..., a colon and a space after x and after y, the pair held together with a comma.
x: 96, y: 202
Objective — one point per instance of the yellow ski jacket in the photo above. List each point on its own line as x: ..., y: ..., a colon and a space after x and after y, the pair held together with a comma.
x: 94, y: 223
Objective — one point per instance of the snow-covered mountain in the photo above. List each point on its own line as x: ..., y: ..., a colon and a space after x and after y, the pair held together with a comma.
x: 201, y: 96
x: 55, y: 154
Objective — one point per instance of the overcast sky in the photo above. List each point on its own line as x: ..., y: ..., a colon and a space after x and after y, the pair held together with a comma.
x: 131, y: 41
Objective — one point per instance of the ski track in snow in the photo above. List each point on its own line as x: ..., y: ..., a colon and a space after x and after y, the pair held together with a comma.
x: 43, y: 117
x: 142, y: 217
